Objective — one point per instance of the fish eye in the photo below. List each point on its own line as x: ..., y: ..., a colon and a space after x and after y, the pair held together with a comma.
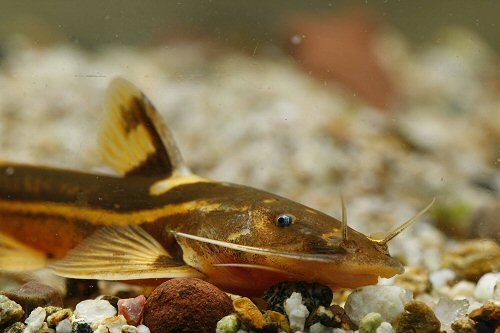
x: 284, y: 220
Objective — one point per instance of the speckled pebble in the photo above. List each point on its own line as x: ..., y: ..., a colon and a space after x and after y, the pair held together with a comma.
x: 17, y: 327
x: 333, y: 316
x: 418, y: 317
x: 49, y: 310
x: 313, y: 295
x: 10, y: 311
x: 81, y: 327
x: 58, y: 316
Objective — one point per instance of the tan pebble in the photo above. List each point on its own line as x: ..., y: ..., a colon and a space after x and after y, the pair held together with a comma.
x: 249, y: 313
x: 418, y: 317
x: 414, y: 278
x: 58, y: 316
x: 281, y: 321
x: 464, y: 325
x: 474, y: 258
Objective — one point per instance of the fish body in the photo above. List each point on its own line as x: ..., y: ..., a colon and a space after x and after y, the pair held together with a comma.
x: 158, y: 220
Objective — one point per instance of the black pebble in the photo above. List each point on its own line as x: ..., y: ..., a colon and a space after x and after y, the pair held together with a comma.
x: 81, y: 327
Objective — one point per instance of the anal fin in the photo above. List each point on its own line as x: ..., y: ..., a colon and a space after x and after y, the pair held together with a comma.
x: 17, y: 257
x: 121, y: 253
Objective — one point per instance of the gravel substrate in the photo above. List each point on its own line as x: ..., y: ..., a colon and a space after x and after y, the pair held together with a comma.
x: 265, y: 123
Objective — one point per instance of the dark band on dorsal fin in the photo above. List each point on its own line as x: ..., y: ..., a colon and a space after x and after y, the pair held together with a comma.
x: 134, y: 139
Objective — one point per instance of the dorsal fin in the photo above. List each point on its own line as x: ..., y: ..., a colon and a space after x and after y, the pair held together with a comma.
x: 134, y: 139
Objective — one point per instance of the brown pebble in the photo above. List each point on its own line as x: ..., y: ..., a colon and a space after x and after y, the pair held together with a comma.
x: 186, y: 305
x: 248, y: 313
x: 281, y: 321
x: 34, y: 294
x: 488, y: 314
x: 418, y: 317
x: 464, y: 325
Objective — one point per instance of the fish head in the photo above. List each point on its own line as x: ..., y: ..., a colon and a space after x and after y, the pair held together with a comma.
x: 257, y: 235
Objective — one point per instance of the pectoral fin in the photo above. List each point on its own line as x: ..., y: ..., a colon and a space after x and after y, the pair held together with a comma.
x: 17, y: 257
x: 134, y: 139
x: 121, y: 253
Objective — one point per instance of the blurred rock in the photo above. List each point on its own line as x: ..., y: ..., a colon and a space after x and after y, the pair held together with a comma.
x: 474, y: 258
x: 484, y: 221
x: 34, y: 294
x: 185, y: 305
x: 414, y: 278
x: 341, y: 48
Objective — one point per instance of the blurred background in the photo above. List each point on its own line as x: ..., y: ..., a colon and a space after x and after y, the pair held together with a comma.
x: 242, y: 24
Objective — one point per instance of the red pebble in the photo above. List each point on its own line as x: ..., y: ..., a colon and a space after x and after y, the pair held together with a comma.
x: 131, y: 309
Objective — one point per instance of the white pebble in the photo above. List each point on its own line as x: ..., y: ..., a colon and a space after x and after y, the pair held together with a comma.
x: 440, y: 278
x: 385, y: 327
x: 486, y: 286
x: 35, y: 320
x: 92, y: 310
x: 129, y: 329
x: 296, y: 311
x: 64, y: 326
x: 448, y: 311
x: 114, y: 324
x: 462, y: 290
x: 143, y: 329
x: 389, y: 301
x: 319, y: 328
